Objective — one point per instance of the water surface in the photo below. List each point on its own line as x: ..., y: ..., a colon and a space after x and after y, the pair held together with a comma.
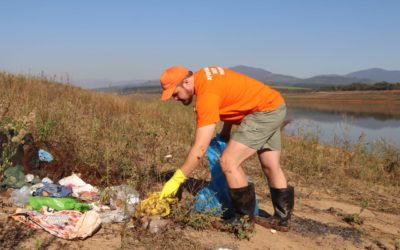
x: 331, y: 126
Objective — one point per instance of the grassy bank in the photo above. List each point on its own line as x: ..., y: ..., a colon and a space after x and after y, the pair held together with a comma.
x: 379, y: 102
x: 126, y: 139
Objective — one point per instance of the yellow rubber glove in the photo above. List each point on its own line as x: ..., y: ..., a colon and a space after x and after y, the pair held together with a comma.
x: 171, y: 187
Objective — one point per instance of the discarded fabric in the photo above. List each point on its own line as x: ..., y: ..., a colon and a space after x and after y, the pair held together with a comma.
x: 52, y: 190
x: 57, y: 203
x: 68, y: 224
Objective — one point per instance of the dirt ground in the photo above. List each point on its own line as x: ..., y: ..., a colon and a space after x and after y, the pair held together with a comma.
x: 317, y: 224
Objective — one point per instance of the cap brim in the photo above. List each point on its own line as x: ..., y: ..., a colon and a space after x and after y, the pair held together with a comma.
x: 166, y: 94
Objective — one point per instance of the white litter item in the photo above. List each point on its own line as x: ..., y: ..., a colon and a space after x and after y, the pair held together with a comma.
x: 47, y: 179
x: 273, y: 231
x: 29, y: 177
x: 72, y: 181
x: 84, y: 188
x: 132, y: 199
x: 77, y: 185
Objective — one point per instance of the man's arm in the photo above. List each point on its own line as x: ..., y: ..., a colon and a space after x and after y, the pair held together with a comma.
x: 202, y: 140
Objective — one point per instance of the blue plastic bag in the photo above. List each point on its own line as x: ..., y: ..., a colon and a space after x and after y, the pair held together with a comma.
x: 215, y: 197
x: 45, y: 156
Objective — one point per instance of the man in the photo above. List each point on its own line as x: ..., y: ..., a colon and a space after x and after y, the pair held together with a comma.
x: 235, y: 99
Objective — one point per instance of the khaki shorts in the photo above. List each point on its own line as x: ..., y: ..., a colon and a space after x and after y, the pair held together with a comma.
x: 262, y: 130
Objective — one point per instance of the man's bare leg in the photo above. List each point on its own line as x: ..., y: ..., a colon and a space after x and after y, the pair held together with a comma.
x: 242, y: 193
x: 232, y: 157
x: 272, y: 169
x: 282, y: 195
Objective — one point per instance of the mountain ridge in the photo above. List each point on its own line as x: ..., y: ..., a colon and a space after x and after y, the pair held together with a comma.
x: 368, y: 76
x: 377, y: 74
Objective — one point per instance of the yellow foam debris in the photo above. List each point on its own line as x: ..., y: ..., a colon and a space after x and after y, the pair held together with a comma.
x: 153, y: 205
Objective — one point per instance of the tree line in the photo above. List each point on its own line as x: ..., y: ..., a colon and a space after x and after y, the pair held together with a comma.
x: 363, y: 86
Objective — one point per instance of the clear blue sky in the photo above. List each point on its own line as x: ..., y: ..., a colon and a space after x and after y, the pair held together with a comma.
x: 121, y: 40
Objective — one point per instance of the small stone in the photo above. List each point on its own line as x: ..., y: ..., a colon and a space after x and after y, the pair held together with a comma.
x: 157, y: 225
x: 273, y: 231
x: 145, y: 222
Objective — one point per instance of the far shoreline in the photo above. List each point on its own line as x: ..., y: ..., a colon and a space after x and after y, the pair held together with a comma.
x: 357, y: 101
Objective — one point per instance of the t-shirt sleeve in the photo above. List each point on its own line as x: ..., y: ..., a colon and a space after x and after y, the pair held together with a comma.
x: 207, y: 109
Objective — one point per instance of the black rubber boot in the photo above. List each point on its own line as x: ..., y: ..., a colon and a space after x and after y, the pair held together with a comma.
x: 283, y: 202
x: 244, y: 203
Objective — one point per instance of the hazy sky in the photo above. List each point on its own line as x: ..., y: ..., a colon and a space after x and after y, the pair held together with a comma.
x: 121, y: 40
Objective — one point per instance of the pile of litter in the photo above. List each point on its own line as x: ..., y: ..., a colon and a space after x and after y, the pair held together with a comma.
x: 74, y: 209
x: 69, y: 209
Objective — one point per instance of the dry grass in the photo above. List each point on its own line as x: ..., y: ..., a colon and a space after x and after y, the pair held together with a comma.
x: 126, y: 139
x: 118, y: 136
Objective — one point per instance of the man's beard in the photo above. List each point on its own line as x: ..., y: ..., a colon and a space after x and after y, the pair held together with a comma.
x: 188, y: 102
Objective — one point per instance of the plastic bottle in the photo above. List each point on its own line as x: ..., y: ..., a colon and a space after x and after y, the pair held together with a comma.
x: 57, y: 203
x: 20, y: 197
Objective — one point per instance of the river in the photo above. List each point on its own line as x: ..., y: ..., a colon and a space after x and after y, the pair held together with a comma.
x: 343, y: 127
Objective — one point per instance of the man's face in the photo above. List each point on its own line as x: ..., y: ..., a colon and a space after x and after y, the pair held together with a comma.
x: 183, y: 95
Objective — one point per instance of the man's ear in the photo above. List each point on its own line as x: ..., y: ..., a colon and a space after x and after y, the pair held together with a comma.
x: 185, y: 82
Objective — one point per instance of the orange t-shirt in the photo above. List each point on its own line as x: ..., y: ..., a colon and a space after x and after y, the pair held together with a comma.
x: 225, y: 95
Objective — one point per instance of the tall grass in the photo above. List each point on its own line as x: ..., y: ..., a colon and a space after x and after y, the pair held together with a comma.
x: 117, y: 136
x: 125, y: 138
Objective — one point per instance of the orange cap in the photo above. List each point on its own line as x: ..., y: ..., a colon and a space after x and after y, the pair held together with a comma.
x: 170, y: 79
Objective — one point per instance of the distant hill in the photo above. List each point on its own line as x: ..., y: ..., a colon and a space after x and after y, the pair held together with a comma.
x: 377, y: 74
x: 91, y: 83
x: 264, y: 75
x: 126, y: 86
x: 368, y: 76
x: 324, y: 80
x: 106, y: 85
